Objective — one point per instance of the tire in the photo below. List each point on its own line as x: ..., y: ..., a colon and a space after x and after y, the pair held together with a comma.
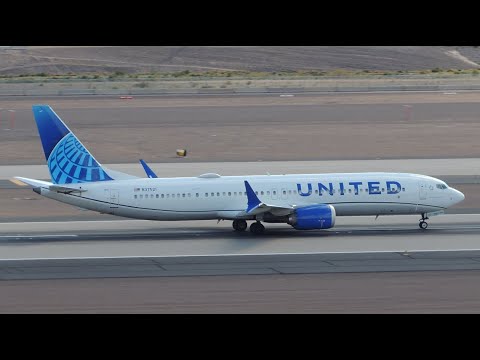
x: 240, y: 225
x: 257, y: 228
x: 423, y: 225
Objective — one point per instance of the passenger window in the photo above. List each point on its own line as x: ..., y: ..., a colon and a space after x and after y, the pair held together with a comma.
x: 173, y: 195
x: 235, y: 193
x: 178, y: 195
x: 183, y: 195
x: 197, y: 194
x: 135, y: 196
x: 383, y: 189
x: 151, y: 196
x: 224, y: 193
x: 141, y: 196
x: 268, y: 192
x: 316, y: 192
x: 168, y: 196
x: 218, y: 194
x: 157, y: 196
x: 289, y: 191
x: 163, y: 195
x: 229, y: 193
x: 213, y: 194
x: 189, y: 195
x: 256, y: 192
x: 274, y: 193
x: 261, y: 192
x: 206, y: 194
x: 403, y: 189
x: 285, y: 193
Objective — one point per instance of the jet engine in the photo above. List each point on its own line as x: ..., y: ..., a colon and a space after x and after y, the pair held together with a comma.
x: 313, y: 217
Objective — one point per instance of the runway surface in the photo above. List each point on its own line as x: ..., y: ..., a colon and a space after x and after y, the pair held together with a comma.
x: 377, y: 245
x: 364, y: 265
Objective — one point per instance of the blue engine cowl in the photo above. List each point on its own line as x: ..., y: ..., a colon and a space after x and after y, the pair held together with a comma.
x: 313, y: 217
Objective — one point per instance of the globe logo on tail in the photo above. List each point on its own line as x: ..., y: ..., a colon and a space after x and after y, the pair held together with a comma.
x: 70, y: 162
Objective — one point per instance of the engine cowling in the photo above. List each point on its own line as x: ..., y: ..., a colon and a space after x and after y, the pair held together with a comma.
x: 313, y: 217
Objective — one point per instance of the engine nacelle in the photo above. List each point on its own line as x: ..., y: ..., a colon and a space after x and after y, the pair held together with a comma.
x: 313, y: 217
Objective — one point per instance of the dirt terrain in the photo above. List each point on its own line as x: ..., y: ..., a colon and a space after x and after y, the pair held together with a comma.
x: 15, y: 60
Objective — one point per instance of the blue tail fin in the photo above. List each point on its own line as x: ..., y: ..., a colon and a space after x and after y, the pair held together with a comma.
x: 67, y: 159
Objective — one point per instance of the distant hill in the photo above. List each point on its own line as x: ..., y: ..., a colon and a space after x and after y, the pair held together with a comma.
x: 131, y: 59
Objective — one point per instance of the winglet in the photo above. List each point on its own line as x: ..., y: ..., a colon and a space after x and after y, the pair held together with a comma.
x: 253, y: 201
x: 147, y: 169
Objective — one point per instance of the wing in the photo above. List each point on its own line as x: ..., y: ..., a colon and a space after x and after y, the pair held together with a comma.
x: 255, y: 206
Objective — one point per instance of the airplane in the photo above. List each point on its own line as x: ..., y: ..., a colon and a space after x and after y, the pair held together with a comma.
x: 303, y: 201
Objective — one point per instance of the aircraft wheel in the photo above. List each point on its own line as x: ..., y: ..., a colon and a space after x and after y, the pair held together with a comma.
x: 239, y: 225
x: 257, y: 228
x: 423, y: 225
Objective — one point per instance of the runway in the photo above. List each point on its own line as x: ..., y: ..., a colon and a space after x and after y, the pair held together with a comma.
x: 143, y: 248
x: 359, y: 267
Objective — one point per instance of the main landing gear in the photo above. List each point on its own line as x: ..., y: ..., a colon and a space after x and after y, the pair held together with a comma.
x: 255, y: 228
x: 239, y: 225
x: 423, y: 224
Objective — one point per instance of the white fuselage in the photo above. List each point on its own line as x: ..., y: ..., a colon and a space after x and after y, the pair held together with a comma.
x: 224, y: 197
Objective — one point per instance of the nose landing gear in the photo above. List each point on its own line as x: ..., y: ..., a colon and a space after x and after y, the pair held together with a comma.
x: 423, y: 224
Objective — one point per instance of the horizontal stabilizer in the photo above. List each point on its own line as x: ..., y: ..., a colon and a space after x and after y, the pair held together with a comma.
x: 48, y: 185
x: 34, y: 182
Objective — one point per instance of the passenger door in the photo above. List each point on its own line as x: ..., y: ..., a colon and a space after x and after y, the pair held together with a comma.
x: 422, y: 190
x: 113, y: 197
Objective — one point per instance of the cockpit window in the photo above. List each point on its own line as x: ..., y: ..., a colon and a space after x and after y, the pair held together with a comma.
x: 441, y: 186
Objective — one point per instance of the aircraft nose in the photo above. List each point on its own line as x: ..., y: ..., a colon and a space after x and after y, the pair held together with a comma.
x: 457, y: 196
